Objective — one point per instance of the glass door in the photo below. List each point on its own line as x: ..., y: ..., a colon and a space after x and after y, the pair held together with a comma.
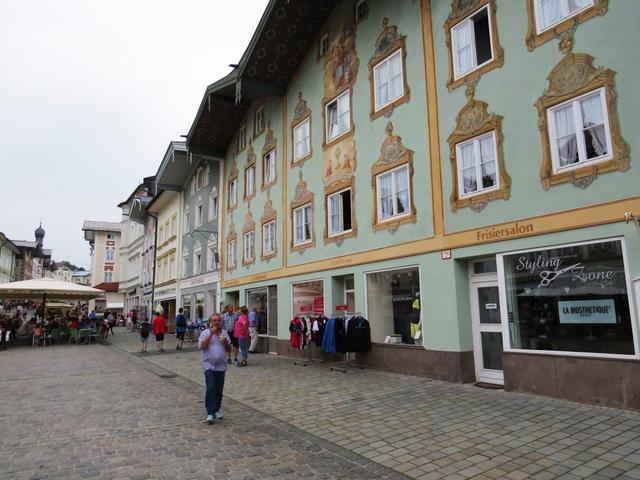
x: 487, y: 331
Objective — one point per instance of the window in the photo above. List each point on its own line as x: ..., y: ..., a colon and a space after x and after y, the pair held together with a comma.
x: 213, y: 205
x: 307, y: 298
x: 211, y: 257
x: 552, y: 12
x: 172, y: 266
x: 249, y: 246
x: 393, y: 193
x: 197, y: 261
x: 393, y: 306
x: 187, y: 221
x: 579, y: 130
x: 302, y: 224
x: 472, y: 43
x: 233, y: 193
x: 338, y: 117
x: 361, y: 10
x: 269, y: 238
x: 110, y: 256
x: 324, y: 45
x: 199, y: 213
x: 242, y: 137
x: 185, y: 261
x: 109, y: 236
x: 269, y: 166
x: 477, y: 166
x: 231, y: 254
x: 174, y: 221
x: 258, y: 121
x: 339, y: 212
x: 108, y: 277
x: 570, y: 298
x: 302, y: 139
x: 388, y: 81
x: 250, y: 181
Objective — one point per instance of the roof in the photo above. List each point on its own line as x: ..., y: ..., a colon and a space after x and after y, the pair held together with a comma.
x: 5, y: 242
x: 284, y: 35
x: 108, y: 286
x: 81, y: 273
x: 175, y: 168
x: 24, y: 243
x: 90, y: 227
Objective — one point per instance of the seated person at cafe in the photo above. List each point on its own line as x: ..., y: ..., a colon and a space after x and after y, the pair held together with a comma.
x: 83, y: 324
x: 74, y: 323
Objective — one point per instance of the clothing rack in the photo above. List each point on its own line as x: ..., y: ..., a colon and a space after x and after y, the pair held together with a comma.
x: 346, y: 354
x: 310, y: 359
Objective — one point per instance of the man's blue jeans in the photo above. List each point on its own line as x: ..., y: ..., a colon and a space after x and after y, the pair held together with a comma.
x: 214, y: 382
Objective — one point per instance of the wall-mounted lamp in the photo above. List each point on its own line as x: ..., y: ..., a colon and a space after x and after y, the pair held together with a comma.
x: 630, y: 217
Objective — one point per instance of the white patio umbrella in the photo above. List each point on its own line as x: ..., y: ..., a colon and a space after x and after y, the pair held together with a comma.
x: 47, y: 288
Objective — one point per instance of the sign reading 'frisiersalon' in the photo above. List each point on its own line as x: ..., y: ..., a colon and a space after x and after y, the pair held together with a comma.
x: 587, y: 311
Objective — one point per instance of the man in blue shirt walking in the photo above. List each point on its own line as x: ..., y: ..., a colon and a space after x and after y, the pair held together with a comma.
x: 214, y: 343
x: 253, y: 329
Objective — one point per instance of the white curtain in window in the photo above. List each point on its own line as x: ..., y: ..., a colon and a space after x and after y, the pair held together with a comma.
x: 402, y: 187
x: 467, y: 164
x: 332, y: 110
x: 334, y: 207
x: 299, y: 225
x: 382, y: 81
x: 488, y: 165
x: 343, y: 112
x: 575, y: 5
x: 386, y: 196
x: 567, y: 146
x: 593, y: 124
x: 550, y: 11
x: 395, y: 83
x: 302, y: 139
x: 307, y: 223
x: 465, y: 54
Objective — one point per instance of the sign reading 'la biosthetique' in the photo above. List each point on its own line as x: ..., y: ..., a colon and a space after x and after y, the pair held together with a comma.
x: 587, y: 311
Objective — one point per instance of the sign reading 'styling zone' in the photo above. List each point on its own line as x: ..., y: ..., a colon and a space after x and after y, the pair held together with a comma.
x: 587, y: 311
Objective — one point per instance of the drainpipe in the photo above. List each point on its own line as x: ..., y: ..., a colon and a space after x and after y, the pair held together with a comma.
x: 155, y: 241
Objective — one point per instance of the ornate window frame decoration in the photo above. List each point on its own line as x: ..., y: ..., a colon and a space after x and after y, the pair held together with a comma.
x: 270, y: 144
x: 301, y: 113
x: 471, y: 122
x: 212, y: 249
x: 197, y: 267
x: 214, y: 201
x: 460, y: 11
x: 269, y: 215
x: 336, y: 186
x: 326, y: 143
x: 573, y: 76
x: 242, y: 138
x: 302, y: 197
x: 232, y: 236
x: 393, y: 154
x: 534, y: 38
x: 185, y: 262
x: 187, y: 220
x: 251, y: 162
x: 248, y: 227
x: 388, y: 43
x: 199, y: 212
x: 233, y: 175
x: 200, y: 175
x: 258, y: 123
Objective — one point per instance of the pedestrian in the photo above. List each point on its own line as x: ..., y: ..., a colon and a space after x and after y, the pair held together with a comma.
x: 241, y: 332
x: 159, y: 329
x: 144, y: 334
x: 111, y: 322
x: 229, y: 322
x: 214, y: 344
x: 181, y: 328
x: 254, y: 323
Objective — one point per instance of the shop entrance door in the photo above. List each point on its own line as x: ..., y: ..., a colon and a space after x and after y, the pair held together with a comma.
x: 487, y: 330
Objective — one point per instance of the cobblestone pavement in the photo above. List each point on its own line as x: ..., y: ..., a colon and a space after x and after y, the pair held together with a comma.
x: 429, y: 429
x: 93, y: 411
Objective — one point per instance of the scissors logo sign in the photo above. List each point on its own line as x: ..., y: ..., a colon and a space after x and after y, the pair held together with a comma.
x: 548, y: 276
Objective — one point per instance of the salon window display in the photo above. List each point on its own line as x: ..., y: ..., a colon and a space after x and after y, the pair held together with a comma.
x: 569, y: 299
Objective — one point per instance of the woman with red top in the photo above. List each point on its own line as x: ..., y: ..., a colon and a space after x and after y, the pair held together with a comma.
x: 159, y: 328
x: 242, y: 333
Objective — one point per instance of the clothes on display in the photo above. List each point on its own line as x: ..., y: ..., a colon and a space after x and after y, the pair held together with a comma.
x: 318, y: 325
x: 349, y: 334
x: 298, y: 332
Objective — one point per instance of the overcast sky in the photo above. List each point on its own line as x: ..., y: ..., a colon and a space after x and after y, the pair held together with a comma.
x: 91, y: 93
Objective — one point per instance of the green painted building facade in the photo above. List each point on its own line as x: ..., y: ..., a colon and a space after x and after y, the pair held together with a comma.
x: 456, y: 172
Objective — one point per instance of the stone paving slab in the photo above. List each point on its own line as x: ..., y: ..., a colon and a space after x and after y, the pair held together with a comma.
x: 429, y: 429
x: 93, y: 411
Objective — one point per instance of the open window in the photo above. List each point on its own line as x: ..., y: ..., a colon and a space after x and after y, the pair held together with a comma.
x: 338, y: 117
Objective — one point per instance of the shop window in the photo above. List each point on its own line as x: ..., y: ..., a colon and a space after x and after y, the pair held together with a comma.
x: 338, y: 117
x: 186, y: 306
x: 258, y: 121
x: 472, y: 38
x: 269, y: 238
x: 258, y: 299
x: 580, y: 131
x: 570, y: 298
x: 302, y: 225
x: 199, y: 297
x: 339, y: 212
x: 393, y: 306
x: 477, y: 165
x: 307, y: 298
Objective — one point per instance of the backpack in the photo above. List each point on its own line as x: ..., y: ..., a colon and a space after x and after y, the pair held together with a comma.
x: 144, y: 329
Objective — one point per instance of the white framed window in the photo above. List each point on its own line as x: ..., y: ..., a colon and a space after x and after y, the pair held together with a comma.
x: 213, y: 205
x: 197, y: 261
x: 242, y: 137
x: 302, y: 139
x: 250, y: 181
x: 172, y: 266
x: 269, y: 238
x: 393, y: 193
x: 233, y: 193
x: 231, y: 254
x: 362, y: 8
x: 302, y: 224
x: 110, y: 256
x: 108, y: 277
x: 579, y: 131
x: 472, y: 42
x: 249, y: 246
x: 211, y: 257
x: 174, y: 221
x: 185, y: 261
x: 187, y: 220
x: 269, y: 166
x: 323, y: 47
x: 388, y: 80
x: 339, y: 212
x: 258, y: 120
x: 338, y: 116
x: 193, y: 187
x: 477, y: 165
x: 199, y: 213
x: 551, y: 12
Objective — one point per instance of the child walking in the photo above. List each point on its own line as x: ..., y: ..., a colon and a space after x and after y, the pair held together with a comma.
x: 145, y: 328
